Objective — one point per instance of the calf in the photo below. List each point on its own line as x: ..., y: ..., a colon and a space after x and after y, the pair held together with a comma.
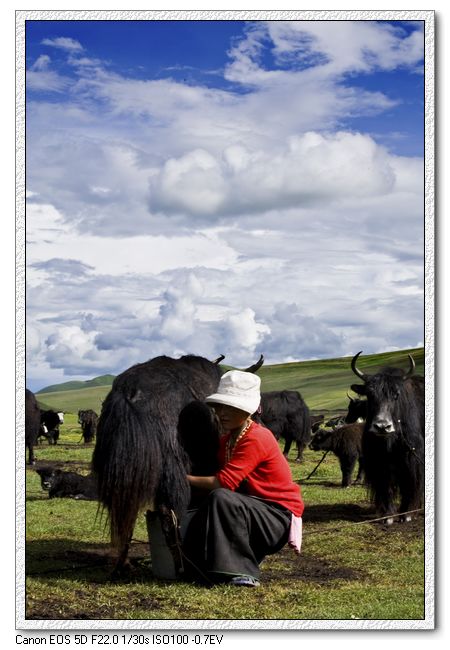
x: 346, y: 443
x: 67, y: 484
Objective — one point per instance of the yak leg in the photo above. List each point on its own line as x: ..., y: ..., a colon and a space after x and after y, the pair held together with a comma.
x: 300, y: 450
x: 360, y: 475
x: 287, y: 447
x: 384, y: 503
x: 347, y: 467
x: 123, y: 566
x: 411, y: 491
x: 31, y: 456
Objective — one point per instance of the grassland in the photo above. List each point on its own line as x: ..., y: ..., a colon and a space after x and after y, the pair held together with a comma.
x: 350, y: 568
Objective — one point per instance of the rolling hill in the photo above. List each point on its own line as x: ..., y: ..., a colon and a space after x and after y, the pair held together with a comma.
x: 323, y: 383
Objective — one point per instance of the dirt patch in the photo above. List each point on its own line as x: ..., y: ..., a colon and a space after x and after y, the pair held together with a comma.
x: 307, y: 568
x: 53, y: 609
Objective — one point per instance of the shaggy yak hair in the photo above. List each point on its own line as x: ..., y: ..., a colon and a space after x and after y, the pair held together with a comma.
x: 346, y: 443
x: 67, y: 484
x: 32, y: 424
x: 393, y: 440
x: 138, y: 459
x: 287, y: 416
x: 89, y: 421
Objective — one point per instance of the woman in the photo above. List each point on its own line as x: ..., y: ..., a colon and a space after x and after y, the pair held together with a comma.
x: 251, y: 502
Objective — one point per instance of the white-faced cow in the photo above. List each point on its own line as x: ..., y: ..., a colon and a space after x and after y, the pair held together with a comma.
x: 393, y: 438
x: 50, y: 421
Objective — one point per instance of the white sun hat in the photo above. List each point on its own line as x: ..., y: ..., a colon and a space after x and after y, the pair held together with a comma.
x: 238, y: 389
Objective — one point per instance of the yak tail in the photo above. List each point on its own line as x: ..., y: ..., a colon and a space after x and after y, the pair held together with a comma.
x: 136, y: 463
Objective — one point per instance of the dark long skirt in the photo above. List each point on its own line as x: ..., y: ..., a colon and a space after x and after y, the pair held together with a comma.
x: 231, y: 533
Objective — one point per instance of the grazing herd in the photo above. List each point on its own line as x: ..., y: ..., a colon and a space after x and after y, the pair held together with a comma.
x: 155, y: 427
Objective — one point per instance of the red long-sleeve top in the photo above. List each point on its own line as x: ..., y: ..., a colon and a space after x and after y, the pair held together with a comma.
x: 257, y: 459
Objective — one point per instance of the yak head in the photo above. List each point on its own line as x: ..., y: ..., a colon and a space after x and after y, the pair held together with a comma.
x: 320, y: 440
x: 48, y: 477
x: 383, y: 391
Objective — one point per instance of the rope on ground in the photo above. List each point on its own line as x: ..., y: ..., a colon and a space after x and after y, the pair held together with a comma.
x: 366, y: 521
x: 314, y: 470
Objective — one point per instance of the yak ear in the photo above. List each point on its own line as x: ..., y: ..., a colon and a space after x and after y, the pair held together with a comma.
x: 358, y: 388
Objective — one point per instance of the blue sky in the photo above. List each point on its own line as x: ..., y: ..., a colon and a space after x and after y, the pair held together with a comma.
x: 221, y: 187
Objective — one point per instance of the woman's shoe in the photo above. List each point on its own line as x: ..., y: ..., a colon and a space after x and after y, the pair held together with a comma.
x: 244, y: 581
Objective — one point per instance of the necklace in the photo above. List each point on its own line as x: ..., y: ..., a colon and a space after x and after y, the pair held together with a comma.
x: 232, y: 442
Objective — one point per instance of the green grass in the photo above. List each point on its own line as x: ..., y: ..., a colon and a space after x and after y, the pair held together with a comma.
x: 350, y: 568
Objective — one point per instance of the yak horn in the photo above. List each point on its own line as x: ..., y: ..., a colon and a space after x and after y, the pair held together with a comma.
x: 357, y: 372
x: 256, y: 366
x: 219, y: 359
x: 349, y: 397
x: 412, y: 367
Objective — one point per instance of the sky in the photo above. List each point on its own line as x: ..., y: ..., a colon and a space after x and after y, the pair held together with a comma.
x: 221, y: 187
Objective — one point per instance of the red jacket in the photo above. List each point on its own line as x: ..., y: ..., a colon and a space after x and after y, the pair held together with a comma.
x: 257, y: 459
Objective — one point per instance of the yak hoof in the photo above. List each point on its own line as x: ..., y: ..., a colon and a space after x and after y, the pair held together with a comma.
x: 406, y: 518
x: 122, y: 571
x: 389, y: 521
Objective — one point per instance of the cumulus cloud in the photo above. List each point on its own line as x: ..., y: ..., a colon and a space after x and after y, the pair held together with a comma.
x: 312, y: 168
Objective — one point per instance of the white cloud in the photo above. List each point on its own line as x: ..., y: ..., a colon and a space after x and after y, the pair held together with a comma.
x: 323, y: 48
x: 310, y: 168
x: 185, y: 218
x: 64, y: 43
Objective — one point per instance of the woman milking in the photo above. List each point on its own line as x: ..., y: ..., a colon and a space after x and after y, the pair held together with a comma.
x: 252, y: 507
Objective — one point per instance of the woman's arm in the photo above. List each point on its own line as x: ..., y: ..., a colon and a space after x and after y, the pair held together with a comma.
x: 204, y: 482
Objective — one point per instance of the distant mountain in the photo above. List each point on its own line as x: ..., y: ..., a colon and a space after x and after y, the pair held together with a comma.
x: 103, y: 380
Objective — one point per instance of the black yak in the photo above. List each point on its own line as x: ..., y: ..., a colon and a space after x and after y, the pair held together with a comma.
x: 32, y: 424
x: 67, y: 484
x: 138, y: 459
x: 393, y: 440
x: 346, y: 443
x: 89, y: 421
x: 287, y: 416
